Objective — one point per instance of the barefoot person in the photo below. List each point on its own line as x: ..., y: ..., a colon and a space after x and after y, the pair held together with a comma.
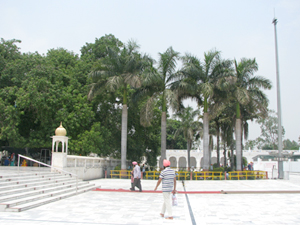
x: 168, y: 179
x: 137, y: 177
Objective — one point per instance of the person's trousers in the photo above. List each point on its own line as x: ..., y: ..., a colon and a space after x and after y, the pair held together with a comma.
x: 137, y: 183
x: 167, y: 204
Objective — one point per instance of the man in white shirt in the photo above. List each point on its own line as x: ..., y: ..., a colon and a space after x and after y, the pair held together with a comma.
x: 137, y: 177
x: 168, y: 179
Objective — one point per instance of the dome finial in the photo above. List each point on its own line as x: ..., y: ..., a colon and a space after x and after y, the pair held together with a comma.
x: 60, y: 131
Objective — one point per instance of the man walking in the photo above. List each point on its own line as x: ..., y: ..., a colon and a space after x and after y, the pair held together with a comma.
x: 137, y: 177
x: 168, y: 179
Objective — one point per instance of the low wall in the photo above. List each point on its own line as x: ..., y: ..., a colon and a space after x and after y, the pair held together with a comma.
x: 292, y: 166
x: 86, y: 168
x: 269, y: 166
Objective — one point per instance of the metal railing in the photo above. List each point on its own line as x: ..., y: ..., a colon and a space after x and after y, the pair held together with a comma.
x: 152, y: 175
x: 247, y: 175
x: 209, y: 175
x: 202, y: 175
x: 120, y: 173
x: 52, y: 167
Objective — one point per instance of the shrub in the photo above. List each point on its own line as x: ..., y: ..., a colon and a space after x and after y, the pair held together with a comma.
x: 221, y: 169
x: 228, y: 169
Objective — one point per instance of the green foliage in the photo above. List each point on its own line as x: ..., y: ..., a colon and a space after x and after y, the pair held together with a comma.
x: 142, y: 141
x: 98, y: 49
x: 178, y: 142
x: 221, y: 169
x: 269, y: 131
x: 245, y: 162
x: 250, y: 144
x: 290, y: 145
x: 118, y: 167
x: 37, y: 92
x: 95, y: 140
x: 268, y: 147
x: 228, y: 169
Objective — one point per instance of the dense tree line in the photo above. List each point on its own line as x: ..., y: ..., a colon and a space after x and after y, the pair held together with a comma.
x: 114, y: 100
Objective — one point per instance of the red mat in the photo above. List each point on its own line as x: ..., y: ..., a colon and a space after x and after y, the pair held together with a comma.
x: 148, y: 191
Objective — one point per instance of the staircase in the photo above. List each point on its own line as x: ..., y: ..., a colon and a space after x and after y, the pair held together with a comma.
x: 24, y: 190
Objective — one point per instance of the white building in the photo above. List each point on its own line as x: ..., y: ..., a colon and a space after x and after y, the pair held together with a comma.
x: 178, y: 158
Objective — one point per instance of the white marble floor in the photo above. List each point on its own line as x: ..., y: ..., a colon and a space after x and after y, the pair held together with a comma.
x: 97, y: 207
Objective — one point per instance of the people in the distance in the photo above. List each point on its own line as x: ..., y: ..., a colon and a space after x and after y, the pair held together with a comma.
x: 12, y: 159
x: 136, y: 177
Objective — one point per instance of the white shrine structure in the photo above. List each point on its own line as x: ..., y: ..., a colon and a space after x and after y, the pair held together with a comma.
x: 86, y: 168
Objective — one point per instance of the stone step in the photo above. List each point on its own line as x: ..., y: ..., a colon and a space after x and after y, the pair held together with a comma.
x: 37, y: 203
x: 25, y: 192
x: 33, y: 187
x: 32, y: 180
x: 23, y: 174
x: 30, y: 175
x: 39, y: 186
x: 29, y: 199
x: 43, y: 182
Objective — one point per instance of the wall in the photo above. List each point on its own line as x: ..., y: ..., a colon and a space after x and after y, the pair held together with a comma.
x: 174, y: 156
x: 86, y: 168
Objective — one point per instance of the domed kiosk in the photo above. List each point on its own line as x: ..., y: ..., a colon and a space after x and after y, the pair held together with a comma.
x: 60, y: 136
x: 59, y: 159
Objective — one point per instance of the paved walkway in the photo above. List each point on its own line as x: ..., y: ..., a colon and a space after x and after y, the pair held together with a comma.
x: 102, y: 207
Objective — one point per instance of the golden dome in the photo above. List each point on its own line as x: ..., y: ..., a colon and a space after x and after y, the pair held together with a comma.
x: 60, y: 131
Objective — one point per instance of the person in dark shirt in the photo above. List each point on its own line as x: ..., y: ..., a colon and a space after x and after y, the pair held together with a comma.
x: 6, y: 162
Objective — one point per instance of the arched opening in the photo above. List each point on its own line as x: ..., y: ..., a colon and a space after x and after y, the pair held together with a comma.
x: 193, y: 162
x: 59, y: 146
x: 182, y: 163
x: 201, y: 163
x: 213, y: 160
x: 222, y: 161
x: 173, y: 162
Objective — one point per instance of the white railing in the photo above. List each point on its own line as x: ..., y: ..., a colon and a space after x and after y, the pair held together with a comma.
x: 83, y: 161
x: 52, y: 167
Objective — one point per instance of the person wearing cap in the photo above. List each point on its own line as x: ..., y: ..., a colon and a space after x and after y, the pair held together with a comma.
x: 168, y: 179
x: 136, y: 177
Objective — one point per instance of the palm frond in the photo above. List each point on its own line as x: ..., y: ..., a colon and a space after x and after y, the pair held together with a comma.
x: 147, y: 111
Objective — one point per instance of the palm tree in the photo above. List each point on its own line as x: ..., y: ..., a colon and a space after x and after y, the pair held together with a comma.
x: 248, y: 98
x: 156, y: 86
x: 190, y: 128
x: 119, y: 71
x: 200, y: 82
x: 218, y: 104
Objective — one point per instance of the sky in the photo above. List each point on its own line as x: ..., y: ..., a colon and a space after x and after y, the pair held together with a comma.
x: 239, y: 29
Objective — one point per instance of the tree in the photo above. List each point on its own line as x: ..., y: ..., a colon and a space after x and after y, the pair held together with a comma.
x: 269, y: 131
x: 143, y: 142
x: 156, y: 87
x: 96, y: 140
x: 119, y: 71
x: 219, y: 108
x: 173, y: 142
x: 49, y: 94
x: 250, y: 144
x: 247, y: 92
x: 189, y: 128
x: 37, y: 93
x: 98, y: 49
x: 200, y: 82
x: 290, y: 145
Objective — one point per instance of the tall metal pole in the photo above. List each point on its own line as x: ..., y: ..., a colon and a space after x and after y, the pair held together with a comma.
x: 280, y: 160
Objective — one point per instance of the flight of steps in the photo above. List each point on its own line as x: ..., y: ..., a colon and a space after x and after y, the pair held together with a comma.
x: 23, y: 191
